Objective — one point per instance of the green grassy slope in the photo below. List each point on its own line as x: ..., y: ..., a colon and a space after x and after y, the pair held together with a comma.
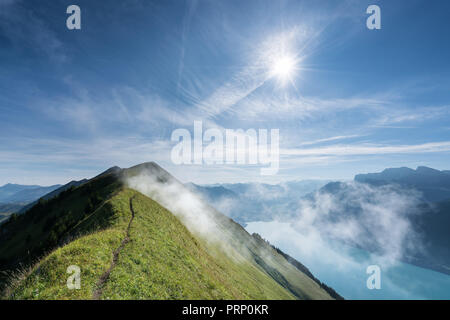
x: 158, y: 258
x: 26, y: 237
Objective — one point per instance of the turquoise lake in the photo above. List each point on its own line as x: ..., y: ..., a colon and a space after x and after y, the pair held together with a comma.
x: 344, y: 268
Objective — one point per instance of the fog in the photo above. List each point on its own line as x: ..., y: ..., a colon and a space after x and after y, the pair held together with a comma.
x: 195, y: 214
x: 375, y: 218
x: 338, y: 232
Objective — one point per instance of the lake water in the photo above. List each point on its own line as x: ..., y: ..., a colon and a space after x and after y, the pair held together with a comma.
x: 344, y: 268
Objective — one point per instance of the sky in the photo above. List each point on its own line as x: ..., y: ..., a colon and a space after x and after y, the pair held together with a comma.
x: 352, y: 100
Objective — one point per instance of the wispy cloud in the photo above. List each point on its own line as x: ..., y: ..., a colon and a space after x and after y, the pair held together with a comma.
x: 418, y: 115
x: 86, y: 110
x: 367, y: 149
x: 255, y: 73
x: 328, y: 139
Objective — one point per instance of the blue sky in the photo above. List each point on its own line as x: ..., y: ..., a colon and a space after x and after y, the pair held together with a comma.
x: 73, y: 103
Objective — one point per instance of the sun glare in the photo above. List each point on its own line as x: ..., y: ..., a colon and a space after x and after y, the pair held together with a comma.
x: 283, y: 68
x: 280, y: 58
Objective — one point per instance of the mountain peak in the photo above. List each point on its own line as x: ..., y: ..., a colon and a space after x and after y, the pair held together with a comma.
x: 424, y: 169
x: 114, y: 169
x: 434, y: 184
x: 386, y: 174
x: 146, y: 165
x: 151, y: 168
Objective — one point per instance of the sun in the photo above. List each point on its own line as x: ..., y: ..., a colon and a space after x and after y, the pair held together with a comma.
x: 280, y: 59
x: 283, y: 68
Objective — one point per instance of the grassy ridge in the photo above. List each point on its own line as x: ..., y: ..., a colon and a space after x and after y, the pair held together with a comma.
x: 163, y: 260
x: 129, y: 247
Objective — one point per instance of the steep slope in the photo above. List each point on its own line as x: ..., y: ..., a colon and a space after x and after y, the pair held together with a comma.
x: 10, y: 207
x: 53, y: 193
x: 26, y: 237
x: 128, y: 246
x: 6, y: 209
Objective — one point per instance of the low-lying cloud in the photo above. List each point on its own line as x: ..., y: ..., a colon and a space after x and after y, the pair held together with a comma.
x: 196, y: 215
x: 373, y: 218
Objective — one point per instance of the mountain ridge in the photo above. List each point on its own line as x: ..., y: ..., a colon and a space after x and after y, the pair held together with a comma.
x: 161, y: 247
x: 434, y: 184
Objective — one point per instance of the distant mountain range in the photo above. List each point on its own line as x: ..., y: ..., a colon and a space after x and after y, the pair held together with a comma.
x: 16, y: 198
x: 16, y: 193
